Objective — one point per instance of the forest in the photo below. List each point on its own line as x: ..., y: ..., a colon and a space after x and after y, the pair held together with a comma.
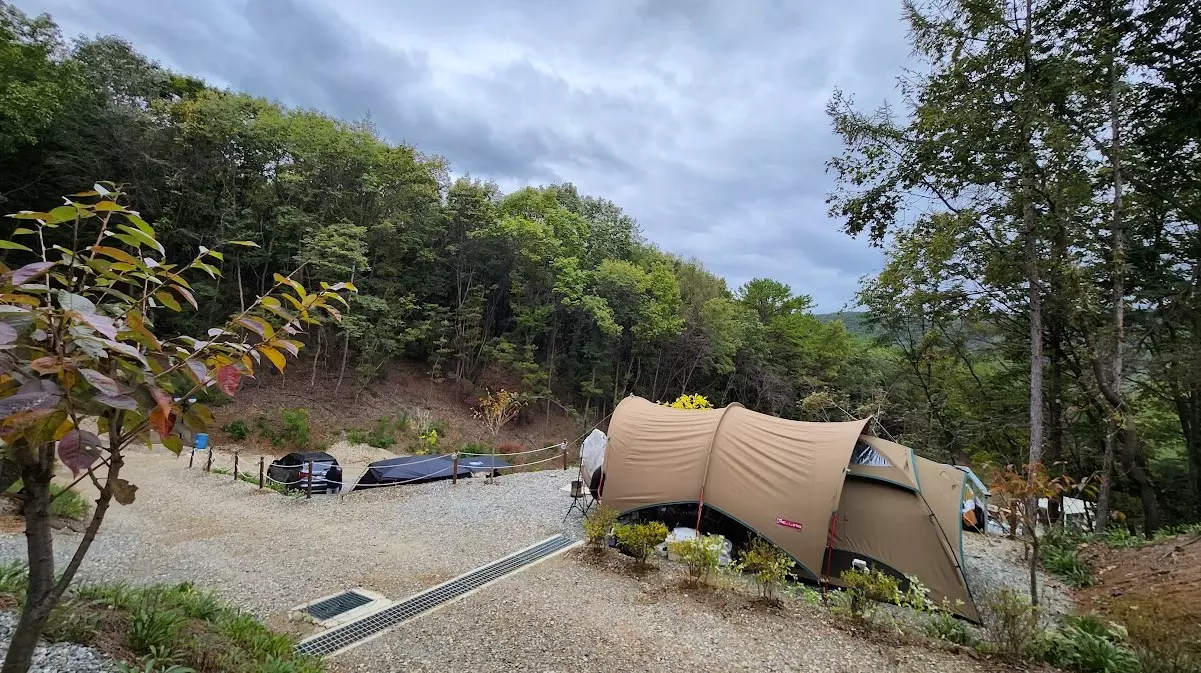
x: 1036, y: 190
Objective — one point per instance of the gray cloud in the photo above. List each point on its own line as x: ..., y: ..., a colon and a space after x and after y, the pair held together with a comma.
x: 704, y: 120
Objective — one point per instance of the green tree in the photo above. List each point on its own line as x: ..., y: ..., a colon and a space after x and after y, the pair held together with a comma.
x: 86, y: 375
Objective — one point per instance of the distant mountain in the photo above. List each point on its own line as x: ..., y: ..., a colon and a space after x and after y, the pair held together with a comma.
x: 855, y: 322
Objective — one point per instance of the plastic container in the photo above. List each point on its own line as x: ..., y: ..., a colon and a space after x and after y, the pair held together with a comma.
x: 201, y: 442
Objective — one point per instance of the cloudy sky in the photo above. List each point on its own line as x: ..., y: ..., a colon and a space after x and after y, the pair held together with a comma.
x: 704, y: 119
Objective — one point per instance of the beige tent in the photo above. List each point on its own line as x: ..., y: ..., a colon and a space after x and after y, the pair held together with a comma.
x: 826, y: 493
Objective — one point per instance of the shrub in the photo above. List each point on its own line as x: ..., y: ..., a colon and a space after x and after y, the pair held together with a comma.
x: 944, y: 626
x: 1164, y: 640
x: 356, y: 435
x: 1120, y: 538
x: 14, y: 578
x: 510, y: 447
x: 478, y: 449
x: 768, y: 564
x: 69, y: 624
x: 382, y: 436
x: 1059, y: 556
x: 152, y: 627
x: 867, y: 587
x: 803, y: 592
x: 291, y: 429
x: 699, y: 554
x: 640, y: 539
x: 427, y: 442
x: 598, y: 524
x: 1088, y: 645
x: 67, y: 503
x: 1011, y: 623
x: 236, y: 429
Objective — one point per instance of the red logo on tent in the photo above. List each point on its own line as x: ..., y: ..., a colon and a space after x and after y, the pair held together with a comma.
x: 788, y: 524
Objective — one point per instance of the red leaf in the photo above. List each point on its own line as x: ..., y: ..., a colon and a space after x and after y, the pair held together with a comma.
x: 100, y: 382
x: 76, y: 452
x: 162, y: 421
x: 30, y: 271
x: 163, y: 399
x: 228, y: 378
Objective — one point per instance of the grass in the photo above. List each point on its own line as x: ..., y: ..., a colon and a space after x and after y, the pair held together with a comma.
x: 65, y: 503
x: 162, y: 626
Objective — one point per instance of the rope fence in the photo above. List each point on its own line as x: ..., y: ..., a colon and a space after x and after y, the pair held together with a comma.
x: 214, y: 461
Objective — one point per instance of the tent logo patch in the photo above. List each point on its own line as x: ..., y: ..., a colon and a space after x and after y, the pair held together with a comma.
x: 787, y: 524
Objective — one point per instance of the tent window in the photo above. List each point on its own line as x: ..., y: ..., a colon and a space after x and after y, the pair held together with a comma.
x: 863, y: 454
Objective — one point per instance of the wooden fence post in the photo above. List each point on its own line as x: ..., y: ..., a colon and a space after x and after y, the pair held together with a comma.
x: 191, y: 457
x: 454, y: 470
x: 208, y: 467
x: 564, y: 445
x: 308, y: 491
x: 260, y: 473
x: 235, y: 465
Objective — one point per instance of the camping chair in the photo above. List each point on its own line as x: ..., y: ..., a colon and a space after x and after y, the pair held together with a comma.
x: 580, y: 499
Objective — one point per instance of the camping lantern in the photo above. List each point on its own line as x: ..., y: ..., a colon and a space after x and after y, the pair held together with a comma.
x: 859, y: 564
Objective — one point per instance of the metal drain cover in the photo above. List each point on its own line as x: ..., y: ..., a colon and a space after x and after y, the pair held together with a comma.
x: 355, y: 631
x: 336, y: 605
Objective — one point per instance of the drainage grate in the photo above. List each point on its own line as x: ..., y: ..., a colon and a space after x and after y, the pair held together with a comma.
x: 372, y: 625
x: 336, y: 605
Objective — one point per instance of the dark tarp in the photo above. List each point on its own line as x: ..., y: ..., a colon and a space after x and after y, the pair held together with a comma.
x: 484, y: 463
x: 288, y: 470
x: 409, y: 469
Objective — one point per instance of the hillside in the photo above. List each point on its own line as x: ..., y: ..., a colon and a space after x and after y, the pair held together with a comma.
x: 855, y: 321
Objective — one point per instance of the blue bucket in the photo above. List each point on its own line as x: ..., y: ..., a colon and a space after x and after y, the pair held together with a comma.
x: 201, y: 442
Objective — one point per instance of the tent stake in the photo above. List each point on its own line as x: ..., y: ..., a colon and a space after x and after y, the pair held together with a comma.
x: 191, y: 457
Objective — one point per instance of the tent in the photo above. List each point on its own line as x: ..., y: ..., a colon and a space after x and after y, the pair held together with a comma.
x: 292, y: 469
x: 826, y: 493
x: 410, y: 470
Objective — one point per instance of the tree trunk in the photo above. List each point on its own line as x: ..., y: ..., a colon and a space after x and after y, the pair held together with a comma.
x: 346, y: 350
x: 39, y: 599
x: 1103, y: 497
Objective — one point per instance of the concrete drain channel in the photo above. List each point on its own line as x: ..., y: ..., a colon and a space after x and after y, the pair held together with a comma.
x: 364, y: 628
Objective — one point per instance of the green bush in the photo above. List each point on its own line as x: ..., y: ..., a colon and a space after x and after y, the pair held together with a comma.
x: 291, y: 429
x: 640, y: 539
x: 699, y: 554
x: 598, y: 524
x: 69, y: 624
x: 356, y: 435
x: 68, y: 503
x: 1120, y: 538
x: 868, y: 587
x: 1087, y: 645
x: 236, y: 429
x: 803, y: 592
x: 944, y: 626
x: 768, y: 564
x: 154, y: 628
x: 383, y: 435
x: 14, y: 578
x: 1059, y: 556
x: 1011, y: 624
x: 476, y: 449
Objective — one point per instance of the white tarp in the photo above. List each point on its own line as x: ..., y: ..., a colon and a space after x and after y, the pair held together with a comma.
x: 592, y: 454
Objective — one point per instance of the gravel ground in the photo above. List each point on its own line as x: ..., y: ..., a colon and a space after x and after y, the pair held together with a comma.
x: 268, y: 553
x: 992, y: 563
x: 56, y: 658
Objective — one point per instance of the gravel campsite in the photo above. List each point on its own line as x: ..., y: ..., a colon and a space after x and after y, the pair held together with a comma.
x: 268, y: 553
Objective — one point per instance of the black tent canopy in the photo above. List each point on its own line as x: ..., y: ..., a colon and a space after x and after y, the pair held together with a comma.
x: 420, y: 469
x: 292, y: 469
